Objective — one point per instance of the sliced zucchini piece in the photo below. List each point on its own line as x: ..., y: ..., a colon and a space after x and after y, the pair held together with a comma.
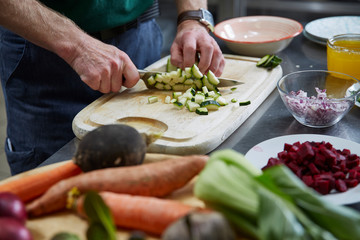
x: 188, y: 72
x: 196, y: 72
x: 169, y: 66
x: 222, y: 101
x: 202, y: 111
x: 176, y: 95
x: 244, y: 103
x: 152, y: 99
x: 263, y: 60
x: 206, y: 83
x: 198, y: 84
x: 151, y: 80
x: 199, y: 98
x: 159, y: 85
x: 212, y: 78
x: 192, y: 106
x: 167, y: 99
x: 178, y: 105
x: 210, y: 104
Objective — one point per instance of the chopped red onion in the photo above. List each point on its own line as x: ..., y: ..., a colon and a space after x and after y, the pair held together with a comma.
x: 316, y: 111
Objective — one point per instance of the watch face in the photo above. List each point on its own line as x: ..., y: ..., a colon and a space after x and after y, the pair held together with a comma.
x: 208, y: 17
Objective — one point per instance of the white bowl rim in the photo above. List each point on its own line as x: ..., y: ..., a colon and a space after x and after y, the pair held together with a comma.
x: 260, y: 17
x: 319, y: 71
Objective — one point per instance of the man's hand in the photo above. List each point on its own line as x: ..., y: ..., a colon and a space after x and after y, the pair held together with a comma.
x: 104, y: 67
x: 192, y: 38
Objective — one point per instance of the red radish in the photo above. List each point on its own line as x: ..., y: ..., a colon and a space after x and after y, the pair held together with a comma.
x: 11, y: 206
x: 12, y: 229
x: 320, y: 165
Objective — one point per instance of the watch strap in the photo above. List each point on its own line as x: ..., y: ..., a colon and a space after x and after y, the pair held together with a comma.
x: 189, y: 15
x: 201, y: 15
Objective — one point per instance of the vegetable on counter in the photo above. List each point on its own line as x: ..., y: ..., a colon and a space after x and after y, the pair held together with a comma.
x: 269, y: 61
x: 316, y: 110
x: 110, y: 145
x: 12, y: 218
x: 320, y: 166
x: 150, y: 214
x: 11, y: 206
x: 31, y: 186
x: 12, y: 229
x: 152, y: 179
x: 200, y: 226
x: 273, y: 204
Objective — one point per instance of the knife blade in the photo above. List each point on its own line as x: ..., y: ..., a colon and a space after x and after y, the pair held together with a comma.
x: 224, y: 82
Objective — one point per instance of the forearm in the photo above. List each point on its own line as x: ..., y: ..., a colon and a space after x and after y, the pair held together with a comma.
x: 41, y: 25
x: 185, y: 5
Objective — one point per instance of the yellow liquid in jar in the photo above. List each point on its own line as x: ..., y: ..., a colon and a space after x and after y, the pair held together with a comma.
x: 344, y: 57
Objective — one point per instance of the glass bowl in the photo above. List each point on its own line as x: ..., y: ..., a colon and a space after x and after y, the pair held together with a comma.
x: 318, y: 98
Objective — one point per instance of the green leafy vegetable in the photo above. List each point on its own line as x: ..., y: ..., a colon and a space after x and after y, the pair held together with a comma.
x: 273, y: 204
x: 101, y: 224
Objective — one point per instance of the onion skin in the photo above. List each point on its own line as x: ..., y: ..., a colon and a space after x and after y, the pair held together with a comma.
x: 12, y: 229
x: 11, y: 206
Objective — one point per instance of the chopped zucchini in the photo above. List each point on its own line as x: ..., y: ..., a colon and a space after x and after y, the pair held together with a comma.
x: 206, y: 83
x: 178, y: 105
x: 222, y: 101
x: 196, y: 72
x: 202, y: 111
x: 212, y: 78
x: 159, y: 85
x: 192, y: 106
x: 151, y: 80
x: 169, y: 66
x: 198, y: 83
x: 152, y: 99
x: 199, y: 98
x: 262, y: 60
x: 167, y: 99
x: 244, y: 103
x: 233, y: 100
x: 210, y: 104
x: 188, y: 72
x: 176, y: 94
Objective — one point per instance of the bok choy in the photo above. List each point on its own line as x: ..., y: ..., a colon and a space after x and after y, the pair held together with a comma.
x: 273, y: 204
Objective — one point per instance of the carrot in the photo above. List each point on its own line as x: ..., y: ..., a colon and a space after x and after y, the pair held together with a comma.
x: 31, y: 186
x: 152, y: 179
x: 149, y: 214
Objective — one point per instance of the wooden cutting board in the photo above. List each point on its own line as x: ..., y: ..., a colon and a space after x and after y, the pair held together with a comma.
x: 44, y: 228
x: 183, y: 132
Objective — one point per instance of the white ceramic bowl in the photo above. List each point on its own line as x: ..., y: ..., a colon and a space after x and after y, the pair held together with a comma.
x: 257, y: 35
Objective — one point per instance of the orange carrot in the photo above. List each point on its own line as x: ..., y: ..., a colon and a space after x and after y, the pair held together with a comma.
x: 152, y: 179
x: 149, y: 214
x: 31, y: 186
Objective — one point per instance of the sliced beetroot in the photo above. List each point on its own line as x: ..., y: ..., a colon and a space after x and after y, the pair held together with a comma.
x: 320, y: 165
x: 306, y: 151
x: 340, y: 185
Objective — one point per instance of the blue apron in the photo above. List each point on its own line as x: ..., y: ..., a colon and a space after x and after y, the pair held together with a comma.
x: 43, y: 93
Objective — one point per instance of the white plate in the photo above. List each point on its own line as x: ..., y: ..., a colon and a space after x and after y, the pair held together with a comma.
x: 321, y: 29
x: 260, y: 154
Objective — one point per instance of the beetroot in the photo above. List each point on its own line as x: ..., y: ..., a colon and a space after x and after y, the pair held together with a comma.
x: 320, y: 166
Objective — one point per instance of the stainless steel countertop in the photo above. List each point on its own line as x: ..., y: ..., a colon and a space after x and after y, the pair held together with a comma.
x: 271, y: 119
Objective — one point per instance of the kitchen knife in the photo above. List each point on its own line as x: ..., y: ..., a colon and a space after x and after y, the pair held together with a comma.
x: 224, y: 82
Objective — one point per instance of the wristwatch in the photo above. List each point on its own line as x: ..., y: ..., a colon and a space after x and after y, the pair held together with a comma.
x: 202, y: 15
